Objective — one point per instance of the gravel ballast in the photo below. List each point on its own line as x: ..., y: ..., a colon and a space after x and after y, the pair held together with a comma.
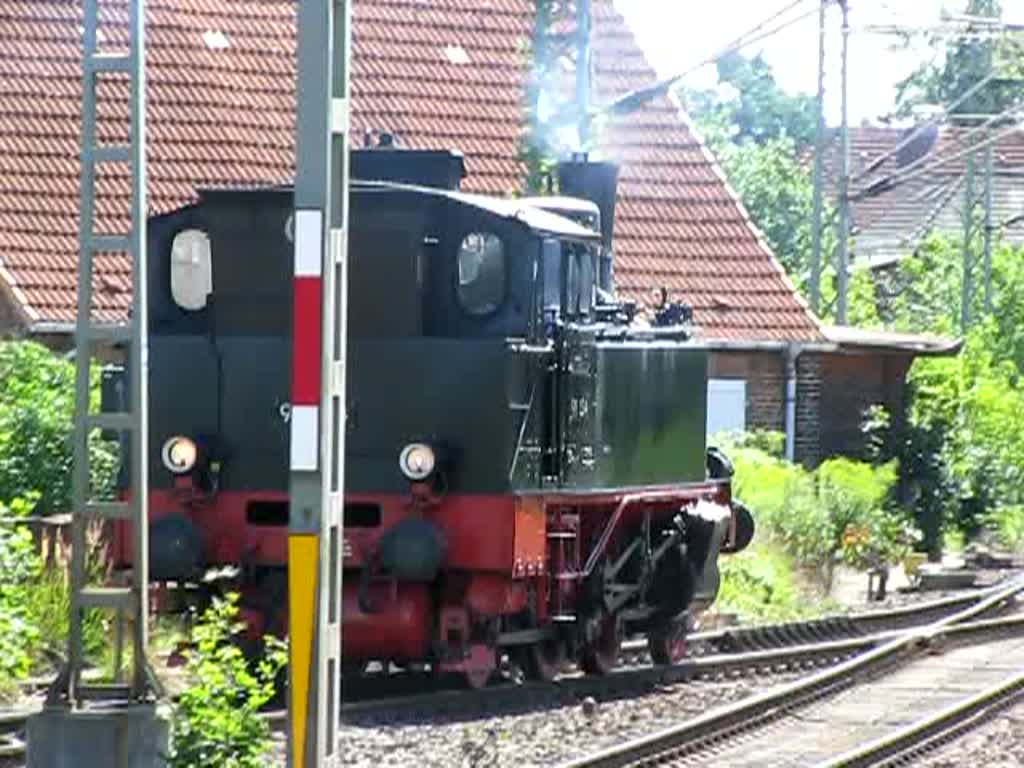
x: 544, y: 737
x: 997, y: 744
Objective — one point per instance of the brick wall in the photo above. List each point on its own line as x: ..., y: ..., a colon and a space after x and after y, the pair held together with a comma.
x: 852, y: 384
x: 765, y: 374
x: 11, y: 324
x: 834, y: 392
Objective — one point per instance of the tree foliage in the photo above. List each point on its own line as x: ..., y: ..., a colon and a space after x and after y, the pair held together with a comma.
x: 759, y: 135
x: 963, y: 444
x: 37, y: 406
x: 19, y: 570
x: 966, y: 62
x: 749, y: 99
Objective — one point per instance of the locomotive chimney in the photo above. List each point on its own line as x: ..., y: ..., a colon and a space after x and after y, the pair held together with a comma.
x: 597, y: 182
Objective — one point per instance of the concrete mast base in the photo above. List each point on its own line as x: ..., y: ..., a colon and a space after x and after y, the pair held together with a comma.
x: 122, y: 737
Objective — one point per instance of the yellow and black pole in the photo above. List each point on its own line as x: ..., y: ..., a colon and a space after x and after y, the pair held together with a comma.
x: 318, y: 383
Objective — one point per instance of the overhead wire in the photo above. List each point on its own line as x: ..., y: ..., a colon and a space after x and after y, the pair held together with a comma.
x: 940, y: 119
x: 898, y: 180
x: 1009, y: 112
x: 636, y: 98
x: 946, y: 112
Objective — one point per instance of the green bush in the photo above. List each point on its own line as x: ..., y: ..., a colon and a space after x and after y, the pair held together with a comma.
x: 766, y: 441
x: 760, y: 584
x: 1008, y: 525
x: 216, y: 723
x: 839, y: 512
x: 19, y: 570
x: 37, y: 406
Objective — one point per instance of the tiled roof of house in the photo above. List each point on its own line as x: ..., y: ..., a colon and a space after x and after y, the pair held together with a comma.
x: 891, y: 224
x: 437, y: 74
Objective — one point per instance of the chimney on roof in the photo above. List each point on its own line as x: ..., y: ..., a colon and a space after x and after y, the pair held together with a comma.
x: 598, y: 183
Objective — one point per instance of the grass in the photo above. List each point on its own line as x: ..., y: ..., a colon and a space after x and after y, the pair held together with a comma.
x: 763, y: 583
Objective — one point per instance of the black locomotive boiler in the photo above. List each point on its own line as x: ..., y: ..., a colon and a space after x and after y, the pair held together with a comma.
x: 526, y: 465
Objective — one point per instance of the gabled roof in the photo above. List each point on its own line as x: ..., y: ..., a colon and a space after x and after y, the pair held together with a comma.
x: 891, y: 225
x: 438, y: 74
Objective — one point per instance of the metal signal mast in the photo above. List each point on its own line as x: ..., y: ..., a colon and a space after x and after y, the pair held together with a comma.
x: 100, y: 65
x: 316, y: 534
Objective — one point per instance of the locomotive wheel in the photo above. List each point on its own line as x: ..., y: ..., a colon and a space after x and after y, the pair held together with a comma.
x: 666, y: 641
x: 477, y: 678
x: 602, y: 654
x: 544, y: 660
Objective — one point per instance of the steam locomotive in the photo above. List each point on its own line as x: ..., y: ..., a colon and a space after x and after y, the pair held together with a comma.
x: 527, y: 475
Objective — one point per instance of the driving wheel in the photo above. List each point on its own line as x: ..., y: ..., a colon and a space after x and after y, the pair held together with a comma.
x: 544, y: 660
x: 601, y: 654
x: 666, y: 641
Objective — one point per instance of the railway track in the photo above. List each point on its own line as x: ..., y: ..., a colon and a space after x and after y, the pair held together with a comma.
x: 12, y: 732
x: 726, y: 736
x: 771, y: 649
x: 835, y: 627
x: 913, y: 741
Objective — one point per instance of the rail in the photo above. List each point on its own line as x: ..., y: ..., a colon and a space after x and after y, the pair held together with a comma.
x: 690, y: 736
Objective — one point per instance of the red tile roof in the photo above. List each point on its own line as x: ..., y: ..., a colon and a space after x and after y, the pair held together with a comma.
x: 891, y: 223
x: 224, y: 115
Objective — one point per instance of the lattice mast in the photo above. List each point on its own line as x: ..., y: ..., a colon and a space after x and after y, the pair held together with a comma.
x: 107, y: 71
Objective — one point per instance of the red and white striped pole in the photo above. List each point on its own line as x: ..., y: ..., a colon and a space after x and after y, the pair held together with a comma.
x: 307, y: 342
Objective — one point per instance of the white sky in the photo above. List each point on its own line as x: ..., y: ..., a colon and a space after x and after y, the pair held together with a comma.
x: 677, y: 34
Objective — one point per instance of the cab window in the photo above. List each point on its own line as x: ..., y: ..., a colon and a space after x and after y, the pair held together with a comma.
x: 586, y: 281
x: 191, y: 269
x: 481, y: 273
x: 552, y: 258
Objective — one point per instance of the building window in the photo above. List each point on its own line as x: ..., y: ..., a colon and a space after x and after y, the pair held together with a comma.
x: 727, y: 406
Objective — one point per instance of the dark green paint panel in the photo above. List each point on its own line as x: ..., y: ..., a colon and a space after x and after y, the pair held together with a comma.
x: 596, y: 414
x: 454, y: 392
x: 228, y: 394
x: 642, y: 409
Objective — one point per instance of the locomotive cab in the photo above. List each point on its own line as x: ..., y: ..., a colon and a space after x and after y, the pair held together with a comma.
x: 526, y: 470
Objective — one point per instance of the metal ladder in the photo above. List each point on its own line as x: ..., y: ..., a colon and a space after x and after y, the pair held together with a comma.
x: 564, y: 559
x: 131, y: 600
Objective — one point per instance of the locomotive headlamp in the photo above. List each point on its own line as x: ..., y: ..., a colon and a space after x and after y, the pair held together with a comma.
x: 179, y: 455
x: 417, y: 461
